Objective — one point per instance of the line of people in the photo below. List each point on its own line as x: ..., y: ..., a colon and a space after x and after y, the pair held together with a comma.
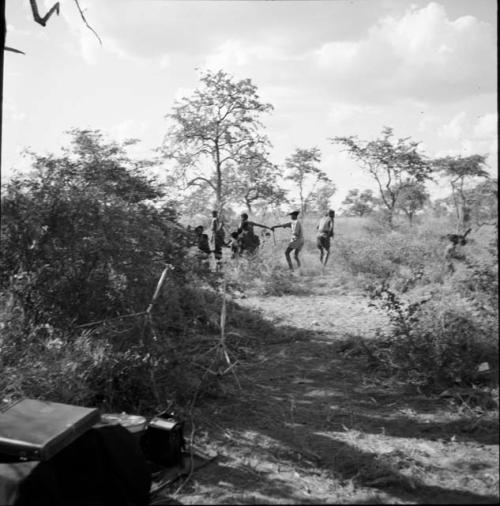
x: 244, y: 238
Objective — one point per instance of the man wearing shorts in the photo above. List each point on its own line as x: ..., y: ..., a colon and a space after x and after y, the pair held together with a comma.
x: 297, y: 239
x: 325, y: 233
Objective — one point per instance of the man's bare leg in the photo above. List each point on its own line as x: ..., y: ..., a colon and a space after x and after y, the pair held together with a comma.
x: 288, y: 259
x: 297, y: 257
x: 326, y: 257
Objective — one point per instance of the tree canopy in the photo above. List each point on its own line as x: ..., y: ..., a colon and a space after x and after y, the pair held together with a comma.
x: 216, y: 136
x: 303, y: 171
x: 389, y: 161
x: 359, y: 203
x: 460, y: 170
x: 412, y: 197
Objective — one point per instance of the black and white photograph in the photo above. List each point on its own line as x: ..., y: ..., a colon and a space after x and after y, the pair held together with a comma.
x: 249, y: 252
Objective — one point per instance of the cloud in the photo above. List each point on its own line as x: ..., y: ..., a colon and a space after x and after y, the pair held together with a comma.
x: 455, y: 128
x: 422, y: 54
x: 341, y: 112
x: 127, y: 129
x: 467, y: 137
x: 236, y: 52
x: 486, y: 126
x: 11, y: 111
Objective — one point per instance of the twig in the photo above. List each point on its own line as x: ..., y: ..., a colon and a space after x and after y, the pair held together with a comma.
x: 158, y: 286
x: 110, y: 319
x: 85, y: 21
x: 191, y: 442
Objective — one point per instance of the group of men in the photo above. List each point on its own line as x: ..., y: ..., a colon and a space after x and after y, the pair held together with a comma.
x: 244, y: 238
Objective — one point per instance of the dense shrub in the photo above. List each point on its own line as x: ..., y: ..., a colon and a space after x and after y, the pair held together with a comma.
x: 398, y: 256
x: 444, y: 323
x: 85, y: 238
x: 81, y: 238
x: 438, y: 340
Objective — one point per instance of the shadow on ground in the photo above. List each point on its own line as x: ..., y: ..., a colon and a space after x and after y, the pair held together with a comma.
x: 309, y: 425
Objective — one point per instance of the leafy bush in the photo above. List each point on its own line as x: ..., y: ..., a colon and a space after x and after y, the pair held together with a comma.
x: 81, y: 238
x: 438, y: 340
x: 444, y: 324
x: 85, y: 238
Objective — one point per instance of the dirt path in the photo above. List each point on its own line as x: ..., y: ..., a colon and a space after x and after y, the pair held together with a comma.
x: 310, y: 425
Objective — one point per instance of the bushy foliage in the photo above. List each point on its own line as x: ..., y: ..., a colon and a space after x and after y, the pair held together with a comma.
x: 438, y: 340
x: 264, y: 273
x: 444, y: 323
x: 398, y: 256
x: 85, y: 239
x: 81, y: 238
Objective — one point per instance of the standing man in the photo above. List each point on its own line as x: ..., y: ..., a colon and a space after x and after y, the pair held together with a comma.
x: 297, y: 239
x: 248, y: 239
x: 325, y: 233
x: 217, y: 234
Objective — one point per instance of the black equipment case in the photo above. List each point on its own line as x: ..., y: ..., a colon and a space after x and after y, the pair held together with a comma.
x: 36, y: 430
x: 163, y: 441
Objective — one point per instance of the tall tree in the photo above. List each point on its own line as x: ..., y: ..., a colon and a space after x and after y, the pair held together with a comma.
x: 359, y: 203
x: 461, y: 170
x: 215, y: 131
x: 412, y: 197
x: 257, y: 181
x: 320, y: 199
x: 389, y: 162
x: 303, y: 171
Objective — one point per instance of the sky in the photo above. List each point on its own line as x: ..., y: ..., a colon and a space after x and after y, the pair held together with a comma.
x: 428, y: 69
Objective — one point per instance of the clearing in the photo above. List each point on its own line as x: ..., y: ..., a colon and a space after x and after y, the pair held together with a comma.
x: 308, y: 423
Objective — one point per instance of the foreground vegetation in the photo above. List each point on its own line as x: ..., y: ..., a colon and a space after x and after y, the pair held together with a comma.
x: 87, y: 235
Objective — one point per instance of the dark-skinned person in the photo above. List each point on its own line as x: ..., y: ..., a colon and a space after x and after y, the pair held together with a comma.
x: 296, y: 239
x: 217, y: 235
x: 235, y: 245
x: 248, y: 239
x: 203, y: 246
x: 325, y: 234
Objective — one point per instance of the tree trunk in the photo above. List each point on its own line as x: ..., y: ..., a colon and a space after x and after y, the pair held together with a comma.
x: 464, y: 214
x: 4, y: 32
x: 218, y: 189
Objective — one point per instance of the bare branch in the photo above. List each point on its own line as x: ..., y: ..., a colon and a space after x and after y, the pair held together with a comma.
x: 36, y: 14
x: 199, y: 178
x: 85, y: 21
x: 13, y: 50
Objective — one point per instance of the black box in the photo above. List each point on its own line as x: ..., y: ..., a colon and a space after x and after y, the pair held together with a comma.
x: 163, y: 441
x: 32, y: 429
